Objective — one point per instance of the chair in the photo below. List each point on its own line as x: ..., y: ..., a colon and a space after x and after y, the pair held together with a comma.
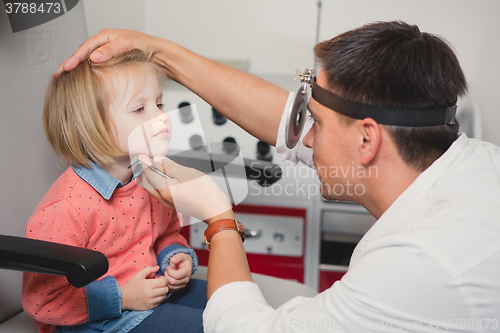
x: 80, y: 266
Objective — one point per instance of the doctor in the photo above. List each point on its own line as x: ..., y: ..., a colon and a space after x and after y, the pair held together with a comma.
x: 383, y: 101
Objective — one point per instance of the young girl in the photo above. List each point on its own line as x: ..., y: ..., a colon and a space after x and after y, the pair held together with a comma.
x: 88, y: 116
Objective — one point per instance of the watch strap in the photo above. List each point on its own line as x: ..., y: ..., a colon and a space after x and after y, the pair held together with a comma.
x: 221, y: 225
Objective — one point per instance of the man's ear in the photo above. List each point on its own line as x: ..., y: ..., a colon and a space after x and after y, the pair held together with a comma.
x: 370, y: 136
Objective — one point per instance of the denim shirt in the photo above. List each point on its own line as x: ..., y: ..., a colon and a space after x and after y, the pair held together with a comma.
x: 104, y: 297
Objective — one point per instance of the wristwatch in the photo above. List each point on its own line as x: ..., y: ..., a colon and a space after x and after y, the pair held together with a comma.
x: 220, y: 225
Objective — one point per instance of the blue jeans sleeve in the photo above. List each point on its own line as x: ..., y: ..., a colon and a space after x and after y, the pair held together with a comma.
x: 171, y: 250
x: 104, y: 299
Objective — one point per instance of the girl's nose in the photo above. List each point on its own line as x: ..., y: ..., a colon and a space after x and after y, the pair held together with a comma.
x: 161, y: 118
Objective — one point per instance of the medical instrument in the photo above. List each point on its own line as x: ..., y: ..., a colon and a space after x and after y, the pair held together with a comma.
x: 136, y: 160
x: 297, y: 115
x: 383, y: 115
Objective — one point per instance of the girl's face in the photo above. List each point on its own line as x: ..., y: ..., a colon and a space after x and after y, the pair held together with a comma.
x: 136, y: 113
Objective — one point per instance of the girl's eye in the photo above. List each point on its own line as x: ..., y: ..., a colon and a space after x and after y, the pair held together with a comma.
x: 160, y: 106
x: 139, y: 110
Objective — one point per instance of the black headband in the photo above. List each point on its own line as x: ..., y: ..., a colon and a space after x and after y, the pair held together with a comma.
x: 384, y: 115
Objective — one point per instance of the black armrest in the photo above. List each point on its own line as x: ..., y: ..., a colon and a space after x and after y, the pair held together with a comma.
x: 80, y: 266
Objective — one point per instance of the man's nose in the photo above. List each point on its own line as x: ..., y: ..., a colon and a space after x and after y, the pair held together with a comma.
x: 308, y: 138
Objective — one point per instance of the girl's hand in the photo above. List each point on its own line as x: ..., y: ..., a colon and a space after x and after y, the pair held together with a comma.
x: 179, y: 271
x: 143, y: 291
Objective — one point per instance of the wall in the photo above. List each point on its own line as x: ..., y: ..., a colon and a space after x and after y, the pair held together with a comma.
x: 277, y: 36
x: 29, y: 167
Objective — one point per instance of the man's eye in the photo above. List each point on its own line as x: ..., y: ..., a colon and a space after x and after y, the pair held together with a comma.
x: 139, y: 110
x: 160, y: 106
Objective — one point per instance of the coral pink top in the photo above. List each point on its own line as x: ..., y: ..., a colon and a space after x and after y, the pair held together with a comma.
x: 131, y: 228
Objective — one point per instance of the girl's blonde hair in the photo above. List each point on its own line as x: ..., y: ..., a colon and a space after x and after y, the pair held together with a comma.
x: 75, y: 110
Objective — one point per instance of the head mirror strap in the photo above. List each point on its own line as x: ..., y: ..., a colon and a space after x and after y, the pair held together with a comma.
x: 384, y: 115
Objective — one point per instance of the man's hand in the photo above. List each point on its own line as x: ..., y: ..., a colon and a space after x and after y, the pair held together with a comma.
x: 105, y: 45
x: 179, y: 271
x: 191, y: 192
x: 143, y: 291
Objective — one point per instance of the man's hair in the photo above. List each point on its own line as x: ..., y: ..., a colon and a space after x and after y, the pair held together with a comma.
x: 75, y: 111
x: 393, y: 64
